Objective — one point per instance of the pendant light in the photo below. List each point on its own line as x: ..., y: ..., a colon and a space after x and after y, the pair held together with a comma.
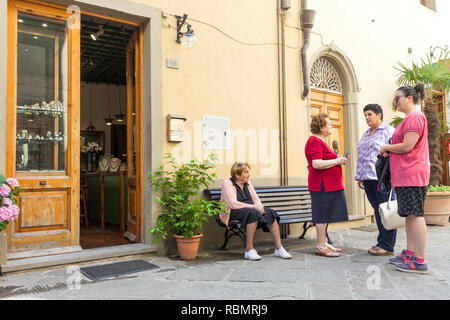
x: 91, y: 127
x: 120, y: 117
x: 108, y: 120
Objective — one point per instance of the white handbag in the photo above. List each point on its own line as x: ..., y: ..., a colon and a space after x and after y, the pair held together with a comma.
x: 389, y: 216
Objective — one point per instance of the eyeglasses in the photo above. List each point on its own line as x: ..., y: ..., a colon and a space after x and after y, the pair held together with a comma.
x: 397, y: 98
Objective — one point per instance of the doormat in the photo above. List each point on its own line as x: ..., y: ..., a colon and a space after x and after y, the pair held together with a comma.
x: 116, y: 269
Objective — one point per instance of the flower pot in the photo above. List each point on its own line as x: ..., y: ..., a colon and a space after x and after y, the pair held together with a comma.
x: 188, y: 248
x: 437, y: 208
x: 3, y: 247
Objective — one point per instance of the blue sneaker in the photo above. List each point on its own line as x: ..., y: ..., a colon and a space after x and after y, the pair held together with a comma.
x: 412, y: 266
x: 400, y: 258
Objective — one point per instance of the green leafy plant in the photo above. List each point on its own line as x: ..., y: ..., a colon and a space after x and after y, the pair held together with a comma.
x: 435, y: 76
x: 439, y: 188
x: 183, y: 212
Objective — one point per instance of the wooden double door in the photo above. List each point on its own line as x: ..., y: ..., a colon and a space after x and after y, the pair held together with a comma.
x: 43, y: 136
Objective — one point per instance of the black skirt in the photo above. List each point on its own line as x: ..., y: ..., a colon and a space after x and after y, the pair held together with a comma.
x: 411, y: 200
x: 248, y: 215
x: 328, y: 207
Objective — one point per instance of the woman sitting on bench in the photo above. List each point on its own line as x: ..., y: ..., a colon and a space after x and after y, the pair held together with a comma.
x: 245, y: 206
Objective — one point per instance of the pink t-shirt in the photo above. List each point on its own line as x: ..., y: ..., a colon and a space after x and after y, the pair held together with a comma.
x: 411, y: 169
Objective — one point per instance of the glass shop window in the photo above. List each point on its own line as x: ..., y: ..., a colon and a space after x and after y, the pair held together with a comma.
x: 42, y: 94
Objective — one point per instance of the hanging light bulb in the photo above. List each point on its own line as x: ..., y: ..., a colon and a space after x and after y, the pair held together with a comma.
x: 108, y: 120
x: 120, y: 117
x: 91, y: 127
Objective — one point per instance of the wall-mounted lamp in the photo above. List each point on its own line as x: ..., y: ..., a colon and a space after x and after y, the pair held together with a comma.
x: 285, y: 4
x: 443, y: 51
x: 95, y: 36
x: 185, y: 38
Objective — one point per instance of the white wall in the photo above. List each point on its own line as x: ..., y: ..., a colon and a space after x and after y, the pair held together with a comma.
x: 94, y: 97
x: 375, y: 35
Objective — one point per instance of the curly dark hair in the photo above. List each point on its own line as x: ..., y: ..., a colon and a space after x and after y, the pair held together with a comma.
x: 376, y: 108
x: 318, y: 122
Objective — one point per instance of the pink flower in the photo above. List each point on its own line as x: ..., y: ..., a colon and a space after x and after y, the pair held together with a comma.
x: 14, y: 212
x: 9, y: 213
x: 7, y: 201
x: 12, y: 182
x: 5, y: 190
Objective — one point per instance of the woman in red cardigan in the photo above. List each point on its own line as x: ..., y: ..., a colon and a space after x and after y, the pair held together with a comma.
x: 325, y: 183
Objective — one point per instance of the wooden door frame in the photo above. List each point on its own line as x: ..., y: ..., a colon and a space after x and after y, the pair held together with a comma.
x: 137, y: 39
x: 73, y: 103
x: 43, y: 9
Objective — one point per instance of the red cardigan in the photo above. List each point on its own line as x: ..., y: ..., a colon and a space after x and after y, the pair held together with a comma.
x: 316, y: 149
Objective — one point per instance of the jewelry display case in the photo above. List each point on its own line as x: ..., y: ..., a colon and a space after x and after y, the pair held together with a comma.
x: 42, y: 79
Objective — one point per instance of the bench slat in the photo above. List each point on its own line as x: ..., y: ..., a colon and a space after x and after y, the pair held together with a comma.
x: 287, y: 198
x: 296, y: 220
x: 282, y: 194
x: 285, y: 203
x: 291, y: 209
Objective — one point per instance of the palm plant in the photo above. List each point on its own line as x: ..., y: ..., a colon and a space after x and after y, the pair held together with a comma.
x: 436, y: 77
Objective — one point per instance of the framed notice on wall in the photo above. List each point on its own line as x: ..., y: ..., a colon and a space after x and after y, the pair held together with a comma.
x: 216, y: 132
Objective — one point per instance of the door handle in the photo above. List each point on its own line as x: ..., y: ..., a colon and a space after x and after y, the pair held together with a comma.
x: 42, y: 183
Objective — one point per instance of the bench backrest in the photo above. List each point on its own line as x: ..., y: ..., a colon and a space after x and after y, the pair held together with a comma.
x: 292, y: 203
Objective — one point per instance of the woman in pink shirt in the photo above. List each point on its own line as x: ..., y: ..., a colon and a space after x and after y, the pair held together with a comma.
x: 410, y: 175
x: 245, y: 206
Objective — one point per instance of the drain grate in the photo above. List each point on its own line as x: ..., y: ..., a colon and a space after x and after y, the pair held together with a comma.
x: 116, y: 269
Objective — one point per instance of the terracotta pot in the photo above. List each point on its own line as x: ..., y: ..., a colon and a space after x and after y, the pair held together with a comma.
x: 437, y: 208
x: 3, y: 247
x: 188, y: 248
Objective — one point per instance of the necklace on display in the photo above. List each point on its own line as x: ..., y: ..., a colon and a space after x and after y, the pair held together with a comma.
x: 115, y: 163
x: 104, y: 164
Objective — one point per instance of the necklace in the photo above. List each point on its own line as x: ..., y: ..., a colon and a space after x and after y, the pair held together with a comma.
x: 115, y: 163
x: 104, y: 164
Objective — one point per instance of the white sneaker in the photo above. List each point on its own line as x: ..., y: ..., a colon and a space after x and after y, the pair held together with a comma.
x: 282, y: 253
x: 252, y: 255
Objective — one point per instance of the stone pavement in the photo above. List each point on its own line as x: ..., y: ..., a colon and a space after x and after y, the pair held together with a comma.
x: 216, y: 274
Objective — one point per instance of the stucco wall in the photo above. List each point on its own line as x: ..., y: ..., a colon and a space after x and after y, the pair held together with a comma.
x: 233, y: 72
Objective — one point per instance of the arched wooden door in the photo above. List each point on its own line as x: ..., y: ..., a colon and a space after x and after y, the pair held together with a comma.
x: 332, y: 104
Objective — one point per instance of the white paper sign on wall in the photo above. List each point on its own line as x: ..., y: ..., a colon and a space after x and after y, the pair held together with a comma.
x: 216, y: 132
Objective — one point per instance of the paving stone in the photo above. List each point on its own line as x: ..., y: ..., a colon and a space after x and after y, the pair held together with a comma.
x: 220, y: 274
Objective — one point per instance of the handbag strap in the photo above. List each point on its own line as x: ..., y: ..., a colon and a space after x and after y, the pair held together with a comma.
x: 390, y: 195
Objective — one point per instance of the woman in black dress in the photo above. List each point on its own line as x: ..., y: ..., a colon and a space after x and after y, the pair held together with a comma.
x: 245, y: 206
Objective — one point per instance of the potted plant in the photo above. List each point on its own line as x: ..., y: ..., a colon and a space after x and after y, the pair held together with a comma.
x: 436, y: 77
x: 437, y: 205
x: 9, y: 191
x: 184, y: 213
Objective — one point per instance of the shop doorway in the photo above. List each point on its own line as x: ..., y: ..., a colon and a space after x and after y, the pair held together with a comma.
x: 109, y: 212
